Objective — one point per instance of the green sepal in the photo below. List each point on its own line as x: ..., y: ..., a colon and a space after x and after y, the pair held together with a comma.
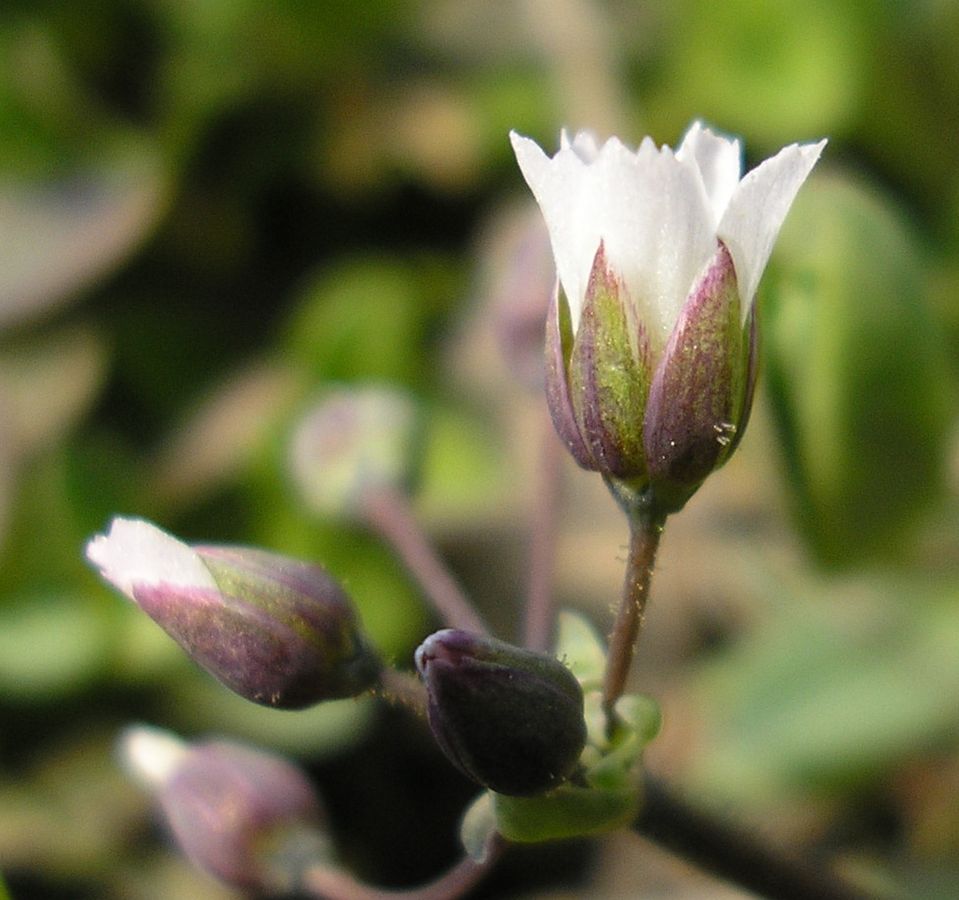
x: 609, y: 793
x: 567, y: 812
x: 609, y: 376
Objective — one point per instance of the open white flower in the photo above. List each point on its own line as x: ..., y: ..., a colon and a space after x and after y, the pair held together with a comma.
x: 660, y: 214
x: 673, y: 244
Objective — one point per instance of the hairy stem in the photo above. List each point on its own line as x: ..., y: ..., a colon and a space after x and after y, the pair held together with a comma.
x: 724, y: 850
x: 389, y: 514
x: 403, y: 689
x: 644, y: 535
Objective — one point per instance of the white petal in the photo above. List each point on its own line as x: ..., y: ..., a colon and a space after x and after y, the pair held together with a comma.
x: 757, y: 210
x: 137, y: 552
x: 561, y: 190
x: 649, y: 208
x: 719, y: 161
x: 583, y: 144
x: 150, y: 755
x: 656, y: 226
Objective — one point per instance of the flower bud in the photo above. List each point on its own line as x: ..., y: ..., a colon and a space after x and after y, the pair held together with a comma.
x: 276, y: 631
x: 354, y: 441
x: 508, y: 718
x: 245, y: 816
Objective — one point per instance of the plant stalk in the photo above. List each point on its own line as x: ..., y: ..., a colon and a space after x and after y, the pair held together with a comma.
x: 644, y: 535
x: 390, y: 515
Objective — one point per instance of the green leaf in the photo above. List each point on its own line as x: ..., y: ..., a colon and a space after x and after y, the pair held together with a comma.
x: 582, y: 649
x: 564, y: 813
x: 857, y: 371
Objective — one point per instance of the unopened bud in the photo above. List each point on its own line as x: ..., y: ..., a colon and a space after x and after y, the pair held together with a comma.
x: 355, y: 441
x: 276, y: 631
x: 509, y: 718
x: 245, y: 816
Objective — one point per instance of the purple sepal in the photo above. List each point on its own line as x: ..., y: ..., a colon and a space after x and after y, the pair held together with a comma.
x: 558, y: 397
x: 278, y: 632
x: 696, y: 399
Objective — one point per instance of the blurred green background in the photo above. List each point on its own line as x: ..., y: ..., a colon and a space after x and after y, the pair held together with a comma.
x: 210, y: 210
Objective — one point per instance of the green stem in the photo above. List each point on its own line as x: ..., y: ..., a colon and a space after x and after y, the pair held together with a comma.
x: 644, y: 535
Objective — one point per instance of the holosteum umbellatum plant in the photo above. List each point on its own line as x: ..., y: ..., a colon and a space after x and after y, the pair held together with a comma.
x: 650, y: 367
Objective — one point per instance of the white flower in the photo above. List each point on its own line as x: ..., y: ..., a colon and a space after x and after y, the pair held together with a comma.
x: 660, y: 215
x: 650, y: 376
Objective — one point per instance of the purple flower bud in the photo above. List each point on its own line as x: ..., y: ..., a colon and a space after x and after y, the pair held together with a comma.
x: 508, y: 718
x: 238, y: 813
x: 276, y: 631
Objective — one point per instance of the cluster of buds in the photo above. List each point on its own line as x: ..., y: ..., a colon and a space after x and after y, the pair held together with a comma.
x: 650, y: 370
x: 651, y: 337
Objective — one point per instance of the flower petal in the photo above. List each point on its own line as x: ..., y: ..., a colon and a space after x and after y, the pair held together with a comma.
x: 135, y: 552
x: 649, y: 208
x: 560, y: 187
x: 719, y: 161
x: 757, y: 210
x: 657, y: 229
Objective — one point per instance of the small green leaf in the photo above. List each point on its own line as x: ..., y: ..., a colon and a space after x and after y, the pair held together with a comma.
x: 582, y: 649
x: 567, y: 812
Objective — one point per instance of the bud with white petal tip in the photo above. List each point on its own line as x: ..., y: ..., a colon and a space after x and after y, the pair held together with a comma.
x: 279, y: 632
x: 245, y: 816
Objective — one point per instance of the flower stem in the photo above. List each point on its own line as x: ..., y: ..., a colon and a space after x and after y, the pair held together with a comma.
x: 401, y: 688
x: 722, y: 849
x: 329, y: 883
x: 644, y: 534
x: 389, y: 514
x: 540, y: 614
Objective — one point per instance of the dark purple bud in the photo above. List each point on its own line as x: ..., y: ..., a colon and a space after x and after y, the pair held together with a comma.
x: 277, y: 631
x: 508, y: 718
x: 238, y: 813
